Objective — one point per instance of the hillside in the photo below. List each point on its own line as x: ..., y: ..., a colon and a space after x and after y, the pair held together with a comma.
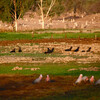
x: 32, y: 21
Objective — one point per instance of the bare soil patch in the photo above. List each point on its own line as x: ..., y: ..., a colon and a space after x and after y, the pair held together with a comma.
x: 59, y: 46
x: 86, y: 69
x: 16, y: 86
x: 84, y: 41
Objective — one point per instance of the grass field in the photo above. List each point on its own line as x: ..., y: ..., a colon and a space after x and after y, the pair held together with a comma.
x: 17, y: 84
x: 58, y: 69
x: 29, y: 36
x: 62, y: 89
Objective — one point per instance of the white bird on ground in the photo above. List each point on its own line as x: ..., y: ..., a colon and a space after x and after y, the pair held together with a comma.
x: 92, y: 79
x: 79, y: 80
x: 85, y: 79
x: 38, y: 79
x: 47, y: 78
x: 97, y: 82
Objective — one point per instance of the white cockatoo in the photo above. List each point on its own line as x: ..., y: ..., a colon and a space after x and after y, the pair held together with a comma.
x: 92, y: 79
x: 97, y: 82
x: 85, y: 79
x: 38, y: 79
x: 79, y: 80
x: 47, y: 78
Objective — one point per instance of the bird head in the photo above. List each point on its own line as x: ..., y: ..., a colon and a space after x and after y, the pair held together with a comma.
x: 48, y: 78
x: 81, y: 75
x: 92, y: 79
x: 40, y: 76
x: 47, y: 75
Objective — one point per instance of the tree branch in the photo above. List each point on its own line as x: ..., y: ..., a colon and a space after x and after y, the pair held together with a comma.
x: 13, y: 15
x: 51, y: 5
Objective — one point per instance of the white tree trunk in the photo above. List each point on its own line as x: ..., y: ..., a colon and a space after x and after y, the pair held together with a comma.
x: 42, y: 13
x: 42, y: 21
x: 15, y: 15
x: 16, y: 29
x: 42, y: 24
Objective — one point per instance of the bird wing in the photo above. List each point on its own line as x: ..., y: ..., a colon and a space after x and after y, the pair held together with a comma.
x: 98, y: 82
x: 37, y: 80
x: 49, y: 50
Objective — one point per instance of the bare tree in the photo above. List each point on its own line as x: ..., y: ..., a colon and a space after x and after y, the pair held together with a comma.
x: 14, y: 14
x: 44, y: 16
x: 17, y: 10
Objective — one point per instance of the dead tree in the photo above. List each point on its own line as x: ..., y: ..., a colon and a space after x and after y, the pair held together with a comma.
x: 44, y: 16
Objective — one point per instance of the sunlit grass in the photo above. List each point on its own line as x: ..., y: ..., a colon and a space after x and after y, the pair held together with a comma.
x: 28, y: 36
x: 51, y: 69
x: 14, y: 36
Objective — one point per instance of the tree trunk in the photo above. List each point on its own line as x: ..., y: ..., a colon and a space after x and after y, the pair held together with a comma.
x: 42, y: 13
x: 42, y: 22
x: 74, y: 10
x: 15, y: 16
x: 16, y: 26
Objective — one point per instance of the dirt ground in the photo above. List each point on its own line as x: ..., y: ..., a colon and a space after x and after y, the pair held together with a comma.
x: 58, y: 44
x: 83, y: 41
x: 17, y: 87
x: 14, y: 87
x: 21, y: 86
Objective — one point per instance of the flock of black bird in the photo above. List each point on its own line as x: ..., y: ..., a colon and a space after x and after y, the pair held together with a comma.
x: 70, y: 49
x: 52, y: 50
x: 77, y: 49
x: 14, y: 50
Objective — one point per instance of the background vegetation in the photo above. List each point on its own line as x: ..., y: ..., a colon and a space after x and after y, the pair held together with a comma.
x: 61, y: 6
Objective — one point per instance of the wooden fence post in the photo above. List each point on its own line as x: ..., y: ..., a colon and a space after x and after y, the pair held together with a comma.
x: 95, y: 37
x: 65, y: 35
x: 51, y: 36
x: 79, y: 37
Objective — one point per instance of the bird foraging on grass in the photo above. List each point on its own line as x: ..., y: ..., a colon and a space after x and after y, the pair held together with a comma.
x: 79, y: 80
x: 12, y: 51
x: 38, y: 79
x: 92, y: 79
x: 85, y: 79
x: 76, y: 50
x: 88, y: 49
x: 97, y: 82
x: 20, y: 50
x: 49, y: 51
x: 69, y: 49
x: 47, y: 78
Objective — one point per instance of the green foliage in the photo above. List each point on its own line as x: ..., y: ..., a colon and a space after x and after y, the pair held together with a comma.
x: 95, y: 7
x: 57, y: 9
x: 7, y: 9
x: 60, y: 6
x: 75, y: 5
